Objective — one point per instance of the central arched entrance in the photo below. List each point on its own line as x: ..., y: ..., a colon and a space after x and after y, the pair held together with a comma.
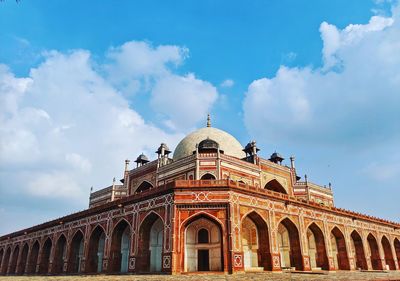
x: 388, y: 253
x: 76, y: 253
x: 357, y: 244
x: 255, y: 242
x: 289, y: 245
x: 45, y: 257
x: 120, y: 247
x: 203, y: 245
x: 316, y: 248
x: 94, y: 259
x: 375, y: 258
x: 33, y: 258
x: 339, y: 252
x: 150, y: 247
x: 59, y: 255
x: 274, y: 185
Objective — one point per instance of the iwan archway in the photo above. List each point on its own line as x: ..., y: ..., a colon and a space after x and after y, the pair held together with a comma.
x: 289, y: 245
x: 203, y: 245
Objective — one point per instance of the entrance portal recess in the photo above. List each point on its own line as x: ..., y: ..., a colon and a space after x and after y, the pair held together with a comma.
x: 203, y: 262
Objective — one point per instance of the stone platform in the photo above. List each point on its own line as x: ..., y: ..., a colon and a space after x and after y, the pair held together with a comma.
x: 339, y: 276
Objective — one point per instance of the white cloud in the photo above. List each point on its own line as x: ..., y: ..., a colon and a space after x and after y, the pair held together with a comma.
x: 134, y: 65
x: 184, y: 100
x: 65, y: 128
x: 228, y: 83
x: 344, y: 114
x: 362, y: 99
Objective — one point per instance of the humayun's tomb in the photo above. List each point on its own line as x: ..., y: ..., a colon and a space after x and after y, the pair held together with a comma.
x: 214, y: 206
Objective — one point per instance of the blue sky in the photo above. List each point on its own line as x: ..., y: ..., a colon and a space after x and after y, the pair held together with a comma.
x: 84, y: 85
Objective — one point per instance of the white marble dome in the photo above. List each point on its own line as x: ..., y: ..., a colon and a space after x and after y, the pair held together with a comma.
x: 227, y: 143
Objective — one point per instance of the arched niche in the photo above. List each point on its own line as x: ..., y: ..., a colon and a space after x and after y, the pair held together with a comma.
x: 316, y: 248
x: 94, y: 260
x: 358, y: 247
x: 201, y: 256
x: 255, y: 242
x: 45, y: 257
x: 23, y: 260
x: 339, y: 251
x: 374, y: 251
x: 274, y: 185
x: 120, y: 247
x: 388, y: 253
x: 150, y: 244
x: 145, y: 185
x: 397, y: 250
x: 13, y: 261
x: 59, y: 254
x: 289, y: 245
x: 208, y: 176
x: 76, y: 253
x: 33, y: 258
x: 6, y: 260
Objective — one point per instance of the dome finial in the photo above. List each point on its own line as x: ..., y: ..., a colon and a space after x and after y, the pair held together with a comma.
x: 208, y: 120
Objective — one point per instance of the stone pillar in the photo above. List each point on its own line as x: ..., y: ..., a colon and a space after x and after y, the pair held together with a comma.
x: 396, y: 262
x: 17, y: 267
x: 304, y: 244
x: 367, y: 250
x: 381, y: 252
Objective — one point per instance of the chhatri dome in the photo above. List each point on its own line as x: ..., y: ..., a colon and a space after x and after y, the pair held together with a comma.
x: 227, y: 143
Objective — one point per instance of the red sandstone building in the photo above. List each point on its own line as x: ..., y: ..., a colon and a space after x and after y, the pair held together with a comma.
x: 213, y: 206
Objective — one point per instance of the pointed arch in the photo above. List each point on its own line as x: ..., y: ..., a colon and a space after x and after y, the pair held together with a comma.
x: 387, y: 250
x: 202, y: 257
x: 60, y: 254
x: 316, y: 247
x: 255, y: 241
x: 361, y: 261
x: 375, y: 257
x: 145, y: 185
x: 120, y: 247
x: 150, y: 243
x: 21, y: 266
x: 274, y: 185
x: 208, y: 176
x: 289, y: 244
x: 45, y: 256
x: 33, y: 257
x: 6, y: 261
x: 340, y: 256
x: 76, y: 252
x: 13, y: 260
x: 94, y: 259
x: 396, y: 243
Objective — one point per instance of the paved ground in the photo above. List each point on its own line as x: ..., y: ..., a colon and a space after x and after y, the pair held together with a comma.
x: 339, y: 276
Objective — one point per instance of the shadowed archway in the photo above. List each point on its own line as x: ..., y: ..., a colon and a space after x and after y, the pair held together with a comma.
x: 23, y: 260
x: 388, y: 253
x: 375, y: 258
x: 33, y: 258
x: 255, y: 242
x: 361, y: 261
x: 76, y: 253
x: 120, y: 247
x: 340, y: 256
x: 289, y: 245
x: 145, y: 185
x: 397, y: 250
x: 150, y: 244
x: 13, y: 262
x: 59, y: 255
x: 316, y: 247
x: 6, y: 260
x: 45, y: 257
x: 274, y: 185
x: 94, y: 260
x: 208, y: 176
